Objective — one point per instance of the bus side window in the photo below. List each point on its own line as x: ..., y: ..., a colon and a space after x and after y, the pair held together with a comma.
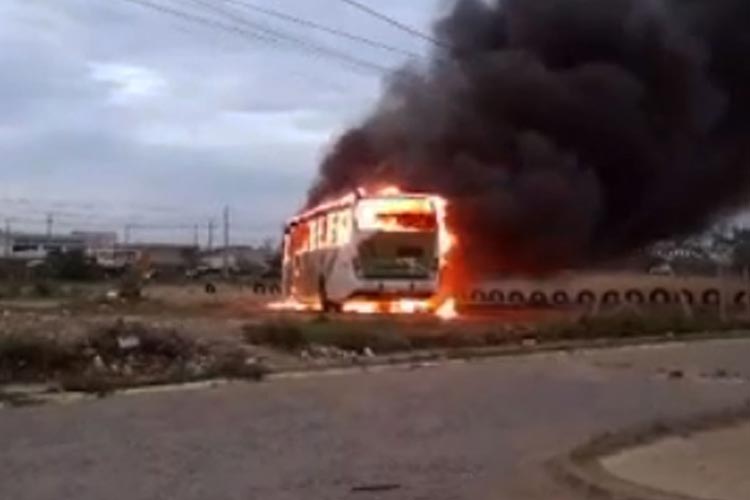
x: 322, y: 231
x: 313, y: 225
x: 345, y: 227
x: 333, y: 226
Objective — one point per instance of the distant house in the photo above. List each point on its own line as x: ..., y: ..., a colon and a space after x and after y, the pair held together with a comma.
x: 159, y: 256
x: 37, y: 246
x: 239, y: 260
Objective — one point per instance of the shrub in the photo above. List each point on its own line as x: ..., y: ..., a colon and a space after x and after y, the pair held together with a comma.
x: 34, y: 357
x: 283, y: 335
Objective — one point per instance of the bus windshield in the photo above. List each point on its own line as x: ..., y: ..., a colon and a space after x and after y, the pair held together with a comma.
x: 405, y: 240
x: 397, y: 215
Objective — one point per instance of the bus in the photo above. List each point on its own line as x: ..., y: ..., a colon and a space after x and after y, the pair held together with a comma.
x: 381, y: 247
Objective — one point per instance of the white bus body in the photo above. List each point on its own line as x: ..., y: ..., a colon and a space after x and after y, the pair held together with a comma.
x: 363, y: 247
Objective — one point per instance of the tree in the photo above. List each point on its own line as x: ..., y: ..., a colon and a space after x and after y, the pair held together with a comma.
x: 72, y: 265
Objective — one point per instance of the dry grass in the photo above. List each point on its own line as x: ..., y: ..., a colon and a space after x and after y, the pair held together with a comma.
x: 384, y: 336
x: 117, y: 356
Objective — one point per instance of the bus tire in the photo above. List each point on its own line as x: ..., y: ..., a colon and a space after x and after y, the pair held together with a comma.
x: 711, y: 297
x: 687, y: 297
x: 538, y: 298
x: 497, y: 297
x: 586, y: 297
x: 326, y: 304
x: 560, y: 298
x: 210, y: 288
x: 274, y: 290
x: 322, y: 293
x: 740, y: 298
x: 478, y: 296
x: 516, y: 298
x: 259, y: 289
x: 660, y: 296
x: 611, y: 297
x: 635, y: 297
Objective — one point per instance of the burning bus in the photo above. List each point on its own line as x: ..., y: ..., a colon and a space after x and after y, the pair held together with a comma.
x: 367, y: 252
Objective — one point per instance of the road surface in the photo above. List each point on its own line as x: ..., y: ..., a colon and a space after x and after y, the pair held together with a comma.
x: 478, y: 430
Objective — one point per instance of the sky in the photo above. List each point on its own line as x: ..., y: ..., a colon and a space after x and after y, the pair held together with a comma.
x: 114, y: 113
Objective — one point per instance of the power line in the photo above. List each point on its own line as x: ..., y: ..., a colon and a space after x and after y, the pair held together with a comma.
x: 393, y: 22
x: 278, y: 36
x: 266, y: 35
x: 325, y: 29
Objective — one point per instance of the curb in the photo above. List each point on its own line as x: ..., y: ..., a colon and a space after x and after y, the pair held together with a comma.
x: 440, y: 356
x: 403, y: 361
x: 581, y: 469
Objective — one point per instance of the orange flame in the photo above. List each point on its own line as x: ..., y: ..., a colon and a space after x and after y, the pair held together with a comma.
x: 396, y: 214
x: 291, y: 304
x: 447, y: 310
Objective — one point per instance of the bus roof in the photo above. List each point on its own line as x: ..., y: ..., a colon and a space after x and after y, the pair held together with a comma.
x: 350, y: 200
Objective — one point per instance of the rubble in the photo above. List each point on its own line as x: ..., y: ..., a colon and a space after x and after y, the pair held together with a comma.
x: 121, y: 354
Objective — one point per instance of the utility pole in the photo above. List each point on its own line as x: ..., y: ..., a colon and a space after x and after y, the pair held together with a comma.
x: 225, y: 256
x: 8, y: 242
x: 196, y: 237
x: 50, y: 222
x: 211, y: 228
x: 126, y: 233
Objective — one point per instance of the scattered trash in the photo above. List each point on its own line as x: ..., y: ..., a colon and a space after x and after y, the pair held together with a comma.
x: 98, y: 364
x: 375, y: 488
x: 128, y: 343
x: 721, y: 373
x: 676, y: 374
x: 529, y: 342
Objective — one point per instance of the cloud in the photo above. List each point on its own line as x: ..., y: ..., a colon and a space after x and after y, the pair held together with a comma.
x: 129, y: 82
x: 114, y: 106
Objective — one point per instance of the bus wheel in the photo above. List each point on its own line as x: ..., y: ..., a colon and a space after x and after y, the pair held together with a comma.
x: 325, y: 304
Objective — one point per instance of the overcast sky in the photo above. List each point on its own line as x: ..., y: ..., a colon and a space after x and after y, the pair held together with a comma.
x: 111, y: 112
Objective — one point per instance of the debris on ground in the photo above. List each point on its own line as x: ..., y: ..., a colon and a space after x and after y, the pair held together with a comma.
x: 122, y: 354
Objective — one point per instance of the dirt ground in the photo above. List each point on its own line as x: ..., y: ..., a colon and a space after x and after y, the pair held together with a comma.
x: 180, y: 333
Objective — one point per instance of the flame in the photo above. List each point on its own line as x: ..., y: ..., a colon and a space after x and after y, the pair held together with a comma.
x: 446, y: 239
x: 388, y: 191
x: 399, y: 213
x: 402, y: 306
x: 362, y: 307
x: 291, y: 304
x: 447, y: 310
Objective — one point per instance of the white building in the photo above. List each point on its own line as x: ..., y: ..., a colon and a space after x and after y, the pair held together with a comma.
x: 36, y: 246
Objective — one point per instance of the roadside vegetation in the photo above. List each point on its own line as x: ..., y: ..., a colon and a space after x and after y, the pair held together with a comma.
x: 89, y: 350
x: 386, y: 336
x: 118, y: 356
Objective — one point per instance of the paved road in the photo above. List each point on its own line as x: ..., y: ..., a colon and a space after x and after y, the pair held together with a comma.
x: 481, y: 430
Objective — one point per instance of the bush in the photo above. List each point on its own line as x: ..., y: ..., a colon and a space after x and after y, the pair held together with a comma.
x: 71, y: 266
x: 149, y: 343
x: 32, y: 357
x: 284, y: 335
x: 130, y: 286
x: 354, y: 337
x: 235, y: 365
x: 43, y: 289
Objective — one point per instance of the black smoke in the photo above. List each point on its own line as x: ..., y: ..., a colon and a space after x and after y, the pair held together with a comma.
x: 566, y: 132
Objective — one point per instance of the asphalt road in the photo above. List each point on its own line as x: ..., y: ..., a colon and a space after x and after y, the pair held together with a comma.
x: 480, y: 430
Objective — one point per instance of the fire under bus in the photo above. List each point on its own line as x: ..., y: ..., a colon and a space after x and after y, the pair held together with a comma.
x: 381, y: 252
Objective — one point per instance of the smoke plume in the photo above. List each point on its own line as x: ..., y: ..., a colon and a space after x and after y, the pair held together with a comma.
x: 565, y: 132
